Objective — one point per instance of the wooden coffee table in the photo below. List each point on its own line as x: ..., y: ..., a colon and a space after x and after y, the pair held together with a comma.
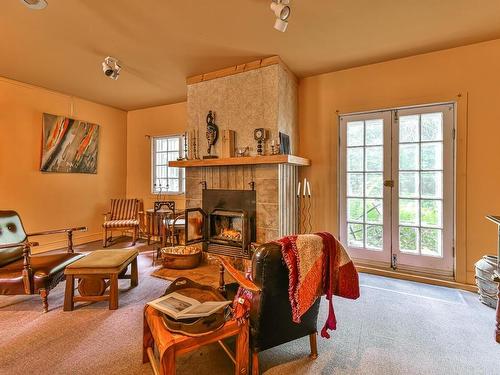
x: 97, y: 271
x: 170, y: 344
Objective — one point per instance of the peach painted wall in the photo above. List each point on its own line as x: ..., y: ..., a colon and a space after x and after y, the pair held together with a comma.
x: 141, y: 123
x: 57, y: 200
x: 468, y: 75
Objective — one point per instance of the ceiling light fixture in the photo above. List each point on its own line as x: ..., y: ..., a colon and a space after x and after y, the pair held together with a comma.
x: 35, y: 4
x: 282, y: 12
x: 111, y: 67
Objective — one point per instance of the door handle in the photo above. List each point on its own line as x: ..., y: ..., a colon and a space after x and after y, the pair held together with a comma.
x: 389, y: 183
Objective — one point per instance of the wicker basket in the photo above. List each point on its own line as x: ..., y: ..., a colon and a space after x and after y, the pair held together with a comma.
x: 181, y: 257
x: 487, y: 288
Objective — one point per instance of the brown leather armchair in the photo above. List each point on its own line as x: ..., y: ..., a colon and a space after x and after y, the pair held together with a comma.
x: 271, y: 313
x: 24, y: 273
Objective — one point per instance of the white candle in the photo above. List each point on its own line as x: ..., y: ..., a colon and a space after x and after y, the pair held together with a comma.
x: 305, y: 184
x: 272, y: 143
x: 308, y: 189
x: 298, y: 190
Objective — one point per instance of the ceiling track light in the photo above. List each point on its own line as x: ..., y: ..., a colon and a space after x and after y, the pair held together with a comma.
x: 281, y: 10
x: 111, y: 67
x: 35, y: 4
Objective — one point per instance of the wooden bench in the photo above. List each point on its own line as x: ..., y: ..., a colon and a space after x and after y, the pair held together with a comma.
x: 97, y: 271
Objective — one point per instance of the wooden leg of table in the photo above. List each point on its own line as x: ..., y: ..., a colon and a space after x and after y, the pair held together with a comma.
x: 242, y: 350
x: 134, y: 274
x: 113, y: 292
x: 167, y: 361
x: 255, y: 363
x: 69, y: 293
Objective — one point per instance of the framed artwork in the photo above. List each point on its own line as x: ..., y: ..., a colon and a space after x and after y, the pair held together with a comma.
x: 284, y: 143
x: 68, y: 145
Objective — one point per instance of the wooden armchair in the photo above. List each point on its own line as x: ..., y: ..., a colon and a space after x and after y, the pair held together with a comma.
x: 124, y: 214
x: 24, y: 273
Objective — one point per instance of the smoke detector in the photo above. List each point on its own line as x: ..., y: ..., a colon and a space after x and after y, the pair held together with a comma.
x: 35, y: 4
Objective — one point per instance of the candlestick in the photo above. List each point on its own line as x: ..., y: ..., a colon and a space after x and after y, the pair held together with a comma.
x: 308, y: 189
x: 305, y: 185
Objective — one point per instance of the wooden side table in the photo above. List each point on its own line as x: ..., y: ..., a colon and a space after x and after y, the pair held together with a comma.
x: 170, y: 344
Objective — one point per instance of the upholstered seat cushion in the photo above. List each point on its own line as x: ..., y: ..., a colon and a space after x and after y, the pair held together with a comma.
x: 120, y: 223
x: 102, y: 261
x: 46, y: 268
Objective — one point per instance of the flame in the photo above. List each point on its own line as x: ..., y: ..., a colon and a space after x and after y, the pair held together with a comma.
x: 231, y: 234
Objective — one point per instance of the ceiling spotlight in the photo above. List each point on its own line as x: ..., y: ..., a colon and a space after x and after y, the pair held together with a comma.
x: 35, y: 4
x: 282, y: 12
x: 111, y: 67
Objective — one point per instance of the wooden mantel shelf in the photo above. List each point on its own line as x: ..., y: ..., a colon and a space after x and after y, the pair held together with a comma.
x: 245, y: 160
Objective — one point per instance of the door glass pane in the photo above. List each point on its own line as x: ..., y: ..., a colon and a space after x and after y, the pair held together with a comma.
x: 355, y: 235
x: 355, y: 209
x: 355, y: 184
x: 432, y: 156
x: 374, y: 236
x: 432, y: 127
x: 355, y: 133
x: 431, y: 184
x: 374, y: 209
x: 374, y: 132
x: 408, y: 184
x: 374, y: 159
x: 431, y: 212
x: 408, y: 239
x: 355, y: 159
x: 374, y: 185
x: 431, y: 242
x: 408, y: 156
x: 408, y: 212
x: 409, y: 130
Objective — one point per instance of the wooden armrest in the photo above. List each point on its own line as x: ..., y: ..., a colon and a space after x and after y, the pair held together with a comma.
x: 240, y: 279
x: 8, y: 245
x: 58, y: 231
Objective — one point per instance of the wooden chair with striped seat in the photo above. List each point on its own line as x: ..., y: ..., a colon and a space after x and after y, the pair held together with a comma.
x: 124, y: 214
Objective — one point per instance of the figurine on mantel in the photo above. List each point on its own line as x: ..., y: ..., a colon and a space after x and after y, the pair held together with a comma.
x: 212, y: 134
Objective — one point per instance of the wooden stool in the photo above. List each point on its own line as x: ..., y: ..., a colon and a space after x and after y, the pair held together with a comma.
x: 97, y: 271
x: 170, y: 344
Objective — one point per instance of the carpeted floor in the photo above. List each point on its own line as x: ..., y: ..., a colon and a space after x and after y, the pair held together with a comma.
x: 396, y: 327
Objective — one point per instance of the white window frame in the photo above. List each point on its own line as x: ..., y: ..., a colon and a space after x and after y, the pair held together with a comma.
x: 155, y: 183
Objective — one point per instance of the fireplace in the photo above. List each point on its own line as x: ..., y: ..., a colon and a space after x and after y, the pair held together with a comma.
x: 231, y: 221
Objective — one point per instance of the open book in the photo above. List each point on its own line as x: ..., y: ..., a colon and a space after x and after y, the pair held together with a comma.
x: 179, y: 306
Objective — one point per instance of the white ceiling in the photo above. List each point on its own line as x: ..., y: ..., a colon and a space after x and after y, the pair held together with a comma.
x: 160, y: 43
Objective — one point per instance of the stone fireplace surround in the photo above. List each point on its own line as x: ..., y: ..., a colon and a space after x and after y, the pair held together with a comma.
x: 260, y: 98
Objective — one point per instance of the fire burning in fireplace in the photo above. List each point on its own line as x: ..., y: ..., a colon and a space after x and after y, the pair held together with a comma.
x: 230, y: 234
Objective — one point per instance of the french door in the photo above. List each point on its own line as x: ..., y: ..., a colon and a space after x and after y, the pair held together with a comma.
x: 397, y: 186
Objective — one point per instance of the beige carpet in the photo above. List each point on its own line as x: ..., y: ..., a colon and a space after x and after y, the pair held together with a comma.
x: 396, y: 327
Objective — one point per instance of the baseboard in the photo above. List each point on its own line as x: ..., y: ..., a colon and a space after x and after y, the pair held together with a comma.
x: 63, y: 242
x: 417, y: 278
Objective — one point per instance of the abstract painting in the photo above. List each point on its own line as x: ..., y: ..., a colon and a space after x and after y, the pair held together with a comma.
x: 69, y: 145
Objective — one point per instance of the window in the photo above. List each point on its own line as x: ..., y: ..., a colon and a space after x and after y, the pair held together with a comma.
x: 396, y: 187
x: 166, y: 179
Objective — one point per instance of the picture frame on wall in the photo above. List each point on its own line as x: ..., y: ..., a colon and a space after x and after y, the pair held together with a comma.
x: 68, y: 145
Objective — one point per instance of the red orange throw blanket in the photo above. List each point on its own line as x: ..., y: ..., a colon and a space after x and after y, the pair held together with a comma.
x: 318, y: 265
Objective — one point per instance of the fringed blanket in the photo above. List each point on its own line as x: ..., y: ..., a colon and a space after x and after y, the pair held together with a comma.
x: 318, y: 265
